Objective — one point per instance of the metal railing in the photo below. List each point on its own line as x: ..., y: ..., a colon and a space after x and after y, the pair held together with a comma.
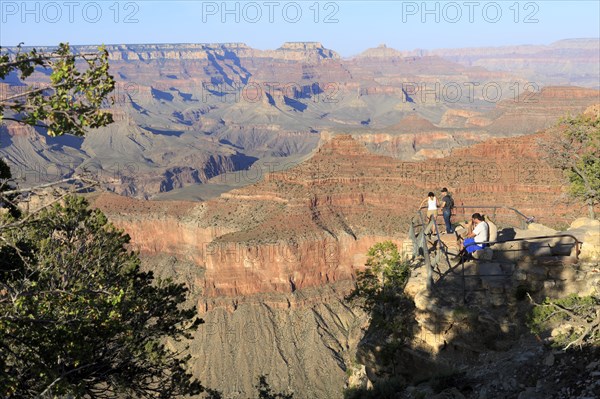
x: 523, y: 219
x: 420, y: 246
x: 576, y: 245
x: 419, y: 229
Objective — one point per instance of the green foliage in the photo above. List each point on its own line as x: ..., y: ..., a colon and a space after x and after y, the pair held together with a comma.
x: 382, y: 283
x: 584, y: 174
x: 577, y: 320
x: 574, y: 147
x: 78, y: 317
x: 379, y: 291
x: 70, y: 101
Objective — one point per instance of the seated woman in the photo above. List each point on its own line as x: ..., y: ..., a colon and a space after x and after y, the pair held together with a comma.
x: 480, y: 234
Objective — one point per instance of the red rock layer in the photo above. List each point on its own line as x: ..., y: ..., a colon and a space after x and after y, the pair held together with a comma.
x: 312, y: 225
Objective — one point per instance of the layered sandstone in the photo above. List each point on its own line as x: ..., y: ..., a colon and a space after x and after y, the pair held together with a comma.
x: 186, y: 113
x: 312, y: 224
x: 381, y: 51
x: 565, y: 62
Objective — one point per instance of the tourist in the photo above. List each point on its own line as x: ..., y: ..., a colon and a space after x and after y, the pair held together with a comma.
x: 447, y: 205
x: 432, y: 206
x: 480, y: 234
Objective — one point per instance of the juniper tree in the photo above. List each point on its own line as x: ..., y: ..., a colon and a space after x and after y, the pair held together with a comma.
x: 573, y: 146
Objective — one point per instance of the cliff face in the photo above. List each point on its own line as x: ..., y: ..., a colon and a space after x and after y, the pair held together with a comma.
x: 297, y: 51
x: 280, y: 254
x: 304, y: 348
x: 186, y: 113
x: 417, y: 138
x: 531, y: 111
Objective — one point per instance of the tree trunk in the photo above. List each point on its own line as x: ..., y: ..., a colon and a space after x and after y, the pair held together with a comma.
x: 591, y: 209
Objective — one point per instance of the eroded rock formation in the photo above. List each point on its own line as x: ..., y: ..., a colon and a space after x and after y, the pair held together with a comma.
x: 187, y: 113
x: 282, y: 253
x: 304, y: 227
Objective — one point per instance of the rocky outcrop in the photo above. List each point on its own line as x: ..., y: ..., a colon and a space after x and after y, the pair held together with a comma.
x: 475, y: 319
x: 12, y: 130
x: 588, y: 232
x: 301, y: 51
x: 381, y: 51
x: 202, y: 51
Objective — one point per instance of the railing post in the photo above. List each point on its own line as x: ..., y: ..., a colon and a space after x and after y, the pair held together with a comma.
x: 429, y: 283
x: 464, y: 281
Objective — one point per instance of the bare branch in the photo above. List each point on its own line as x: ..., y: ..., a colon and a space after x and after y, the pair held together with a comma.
x: 75, y: 370
x: 33, y: 213
x: 44, y: 57
x: 28, y: 93
x: 25, y: 122
x: 66, y: 180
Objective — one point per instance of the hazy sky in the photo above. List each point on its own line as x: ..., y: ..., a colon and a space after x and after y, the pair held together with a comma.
x: 347, y: 27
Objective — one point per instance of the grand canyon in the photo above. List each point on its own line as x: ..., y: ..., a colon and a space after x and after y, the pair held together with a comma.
x: 261, y: 178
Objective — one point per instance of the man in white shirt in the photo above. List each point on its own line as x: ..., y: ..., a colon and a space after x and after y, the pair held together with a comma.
x: 481, y: 233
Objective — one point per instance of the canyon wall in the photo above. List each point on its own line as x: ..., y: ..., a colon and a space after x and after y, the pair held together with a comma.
x: 311, y: 225
x: 186, y: 113
x: 268, y: 265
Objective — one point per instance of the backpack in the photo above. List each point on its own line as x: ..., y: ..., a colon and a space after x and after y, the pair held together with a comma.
x: 450, y: 203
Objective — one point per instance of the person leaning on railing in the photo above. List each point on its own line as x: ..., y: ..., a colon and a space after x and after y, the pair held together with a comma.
x: 432, y: 205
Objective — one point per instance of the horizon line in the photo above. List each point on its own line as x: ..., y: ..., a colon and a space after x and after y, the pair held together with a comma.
x: 382, y: 45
